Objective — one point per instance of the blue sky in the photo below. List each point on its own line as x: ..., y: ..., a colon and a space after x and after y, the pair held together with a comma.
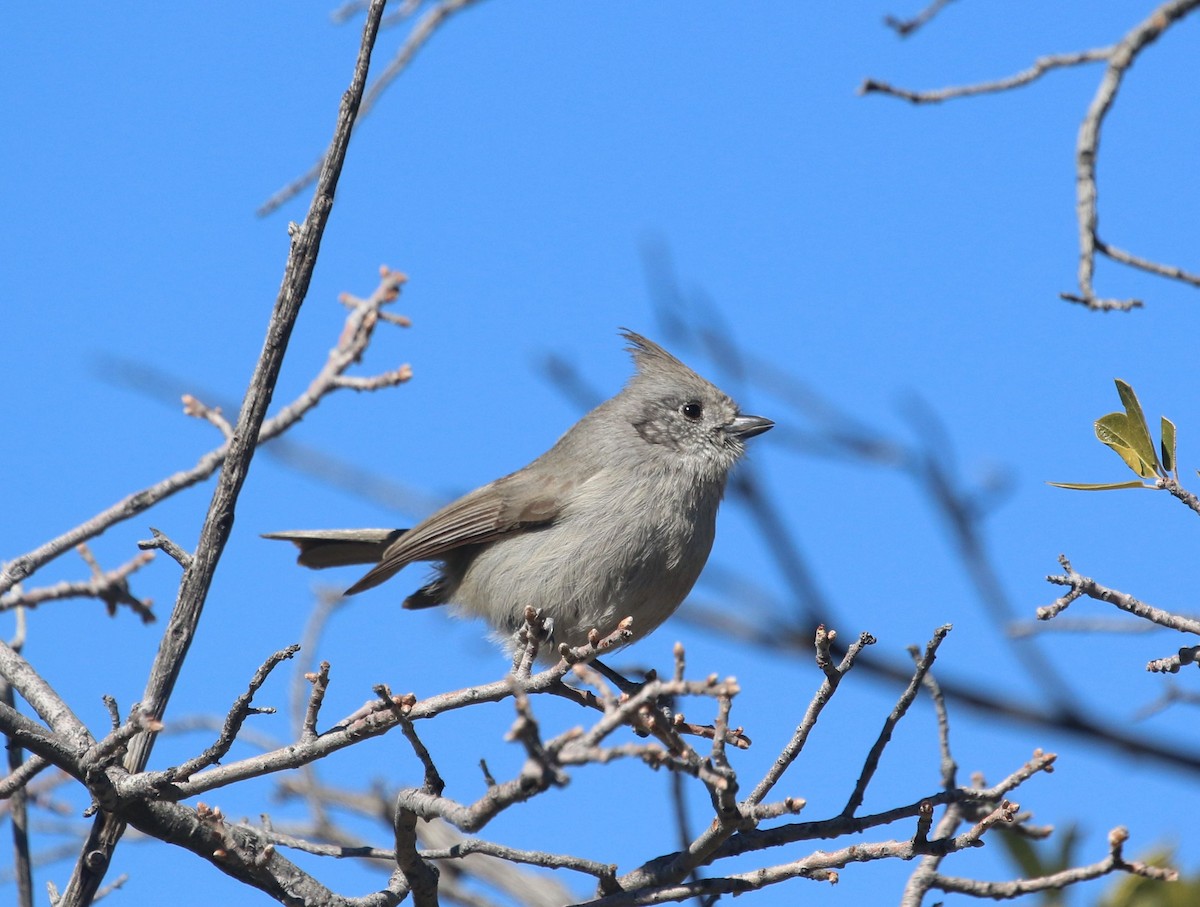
x: 518, y: 173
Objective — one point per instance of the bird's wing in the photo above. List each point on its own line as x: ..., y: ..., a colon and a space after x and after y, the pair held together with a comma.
x: 512, y: 504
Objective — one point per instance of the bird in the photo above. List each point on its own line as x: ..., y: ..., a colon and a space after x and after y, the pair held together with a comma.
x: 615, y: 521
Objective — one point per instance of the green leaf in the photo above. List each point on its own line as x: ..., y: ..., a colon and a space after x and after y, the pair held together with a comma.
x: 1168, y: 444
x: 1115, y: 431
x: 1138, y: 431
x: 1098, y: 486
x: 1113, y: 428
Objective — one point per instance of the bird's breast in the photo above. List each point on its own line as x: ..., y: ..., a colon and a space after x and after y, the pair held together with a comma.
x: 619, y: 548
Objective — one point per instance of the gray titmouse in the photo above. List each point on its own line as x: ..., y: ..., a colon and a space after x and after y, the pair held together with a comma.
x: 615, y: 520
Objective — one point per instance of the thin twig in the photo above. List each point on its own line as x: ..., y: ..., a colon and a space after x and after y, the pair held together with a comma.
x: 833, y: 676
x: 885, y: 735
x: 238, y: 713
x: 417, y: 38
x: 1040, y: 67
x: 164, y: 544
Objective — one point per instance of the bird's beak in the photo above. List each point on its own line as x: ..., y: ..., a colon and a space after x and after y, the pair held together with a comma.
x: 748, y: 426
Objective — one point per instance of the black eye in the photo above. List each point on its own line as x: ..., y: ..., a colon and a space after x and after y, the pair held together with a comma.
x: 692, y: 410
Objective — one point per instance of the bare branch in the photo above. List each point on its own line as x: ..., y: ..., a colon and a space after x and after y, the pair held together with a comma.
x: 1087, y: 151
x: 55, y: 748
x: 1084, y: 585
x: 243, y: 853
x: 111, y: 748
x: 756, y: 839
x: 1114, y: 862
x: 421, y: 876
x: 1120, y: 58
x: 949, y: 766
x: 377, y: 717
x: 1171, y: 484
x: 1040, y: 67
x: 818, y: 866
x: 1172, y: 664
x: 495, y: 866
x: 320, y: 683
x: 162, y: 543
x: 13, y: 786
x: 433, y: 783
x: 218, y: 523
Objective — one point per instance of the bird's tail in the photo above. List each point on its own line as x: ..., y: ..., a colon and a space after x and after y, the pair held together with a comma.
x: 320, y: 548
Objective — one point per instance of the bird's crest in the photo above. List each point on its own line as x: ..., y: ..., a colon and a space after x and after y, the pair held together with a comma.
x: 652, y: 360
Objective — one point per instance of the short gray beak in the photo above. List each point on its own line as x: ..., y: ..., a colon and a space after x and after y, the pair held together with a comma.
x: 748, y: 426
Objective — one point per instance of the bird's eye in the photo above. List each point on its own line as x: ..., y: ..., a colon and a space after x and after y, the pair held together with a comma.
x: 692, y: 410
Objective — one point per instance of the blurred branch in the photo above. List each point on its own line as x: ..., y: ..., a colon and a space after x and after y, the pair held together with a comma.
x: 838, y: 435
x: 690, y: 318
x: 331, y: 471
x: 906, y: 27
x: 356, y: 336
x: 1023, y: 628
x: 962, y: 512
x: 1170, y: 695
x: 110, y: 587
